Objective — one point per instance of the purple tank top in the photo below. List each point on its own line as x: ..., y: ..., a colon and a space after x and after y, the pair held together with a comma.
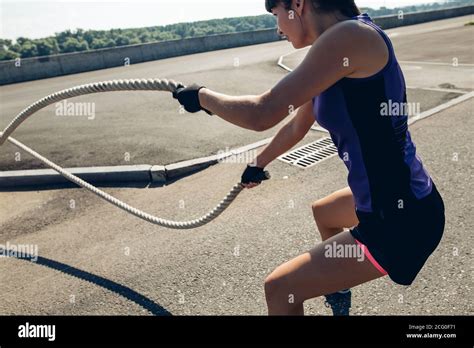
x: 372, y: 139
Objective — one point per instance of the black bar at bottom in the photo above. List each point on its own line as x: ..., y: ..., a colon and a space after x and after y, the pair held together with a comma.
x: 356, y: 330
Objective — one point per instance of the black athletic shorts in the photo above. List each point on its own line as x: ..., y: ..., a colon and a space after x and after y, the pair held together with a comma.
x: 401, y: 240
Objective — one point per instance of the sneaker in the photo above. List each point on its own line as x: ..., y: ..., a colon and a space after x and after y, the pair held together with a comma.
x: 339, y: 302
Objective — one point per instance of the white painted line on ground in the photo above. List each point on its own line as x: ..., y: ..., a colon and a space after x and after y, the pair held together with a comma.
x: 280, y: 60
x: 293, y: 52
x: 434, y: 63
x: 405, y: 62
x: 281, y: 65
x: 431, y: 29
x: 441, y: 107
x: 412, y: 67
x: 447, y: 90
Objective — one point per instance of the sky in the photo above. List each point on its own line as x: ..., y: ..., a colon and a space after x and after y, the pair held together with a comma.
x: 42, y: 18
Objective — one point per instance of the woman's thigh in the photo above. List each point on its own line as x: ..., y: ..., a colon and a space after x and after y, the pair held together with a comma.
x: 336, y: 210
x: 337, y: 263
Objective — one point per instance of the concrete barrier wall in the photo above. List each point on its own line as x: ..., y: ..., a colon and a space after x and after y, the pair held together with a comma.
x: 387, y: 22
x: 72, y: 63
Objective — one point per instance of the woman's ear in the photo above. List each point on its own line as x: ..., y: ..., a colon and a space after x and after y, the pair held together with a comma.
x: 298, y: 6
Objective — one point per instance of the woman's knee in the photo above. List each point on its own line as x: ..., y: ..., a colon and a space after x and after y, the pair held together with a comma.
x: 317, y: 207
x: 273, y: 286
x: 277, y: 289
x: 320, y: 214
x: 335, y: 211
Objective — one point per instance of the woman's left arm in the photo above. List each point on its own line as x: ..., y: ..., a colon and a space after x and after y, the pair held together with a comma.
x: 336, y: 54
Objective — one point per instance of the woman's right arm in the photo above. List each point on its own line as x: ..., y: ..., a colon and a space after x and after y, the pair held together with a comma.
x: 288, y: 136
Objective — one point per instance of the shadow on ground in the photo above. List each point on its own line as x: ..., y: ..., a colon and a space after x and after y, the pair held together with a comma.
x: 126, y: 292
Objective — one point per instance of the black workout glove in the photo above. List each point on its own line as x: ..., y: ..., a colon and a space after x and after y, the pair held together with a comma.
x: 189, y: 98
x: 254, y: 174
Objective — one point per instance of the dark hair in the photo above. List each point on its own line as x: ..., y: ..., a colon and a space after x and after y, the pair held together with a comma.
x: 346, y: 7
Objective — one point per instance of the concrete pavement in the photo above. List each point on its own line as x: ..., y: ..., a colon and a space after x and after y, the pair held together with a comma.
x: 220, y: 268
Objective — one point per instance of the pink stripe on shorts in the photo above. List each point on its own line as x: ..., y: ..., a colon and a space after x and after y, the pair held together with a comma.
x: 371, y: 258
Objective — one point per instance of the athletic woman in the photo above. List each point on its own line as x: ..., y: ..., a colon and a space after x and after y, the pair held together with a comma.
x: 349, y: 75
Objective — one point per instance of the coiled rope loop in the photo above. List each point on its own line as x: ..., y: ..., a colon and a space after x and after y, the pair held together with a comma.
x: 112, y: 86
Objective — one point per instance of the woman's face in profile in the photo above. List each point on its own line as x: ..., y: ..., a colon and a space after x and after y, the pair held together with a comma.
x: 288, y: 23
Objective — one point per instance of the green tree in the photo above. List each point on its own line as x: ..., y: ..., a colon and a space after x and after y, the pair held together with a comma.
x: 79, y: 34
x: 21, y: 40
x: 5, y: 44
x: 47, y: 46
x: 98, y: 43
x: 102, y: 43
x: 122, y: 40
x: 63, y: 36
x: 28, y: 49
x: 181, y: 30
x: 110, y: 43
x: 145, y: 37
x: 74, y: 45
x: 89, y: 36
x: 15, y: 48
x: 244, y: 26
x: 8, y: 55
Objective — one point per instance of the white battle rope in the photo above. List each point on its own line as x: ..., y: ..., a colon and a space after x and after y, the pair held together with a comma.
x: 111, y: 86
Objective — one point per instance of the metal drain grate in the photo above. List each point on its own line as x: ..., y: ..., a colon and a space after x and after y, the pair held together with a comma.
x: 310, y: 154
